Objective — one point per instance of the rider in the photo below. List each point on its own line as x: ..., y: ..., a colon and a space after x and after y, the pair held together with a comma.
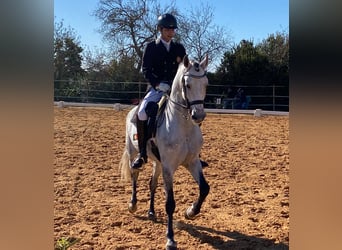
x: 159, y: 65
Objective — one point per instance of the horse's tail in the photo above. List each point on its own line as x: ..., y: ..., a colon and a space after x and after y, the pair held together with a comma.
x: 124, y: 166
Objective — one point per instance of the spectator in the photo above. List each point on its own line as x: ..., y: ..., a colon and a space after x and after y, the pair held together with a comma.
x: 241, y: 102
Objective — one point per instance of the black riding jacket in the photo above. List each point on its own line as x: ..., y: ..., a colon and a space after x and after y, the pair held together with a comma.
x: 160, y: 65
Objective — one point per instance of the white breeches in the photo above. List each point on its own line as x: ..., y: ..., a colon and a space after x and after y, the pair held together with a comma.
x: 152, y: 96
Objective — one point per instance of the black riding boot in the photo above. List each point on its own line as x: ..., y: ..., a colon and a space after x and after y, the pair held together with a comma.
x: 142, y: 140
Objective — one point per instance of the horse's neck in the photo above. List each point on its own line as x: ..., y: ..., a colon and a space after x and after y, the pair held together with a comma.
x: 177, y: 114
x: 178, y: 99
x: 176, y: 109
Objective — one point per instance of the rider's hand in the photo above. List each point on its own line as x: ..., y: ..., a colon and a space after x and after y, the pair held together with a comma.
x: 163, y: 87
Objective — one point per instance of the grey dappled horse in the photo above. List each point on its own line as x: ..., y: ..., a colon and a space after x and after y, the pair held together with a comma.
x: 178, y: 139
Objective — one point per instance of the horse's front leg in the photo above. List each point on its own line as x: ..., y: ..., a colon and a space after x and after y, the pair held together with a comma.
x: 132, y: 206
x: 170, y: 206
x: 204, y: 188
x: 153, y: 186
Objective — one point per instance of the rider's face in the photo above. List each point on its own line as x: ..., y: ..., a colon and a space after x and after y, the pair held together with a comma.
x: 167, y: 34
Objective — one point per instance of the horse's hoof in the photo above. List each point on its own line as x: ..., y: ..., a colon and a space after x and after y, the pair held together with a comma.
x: 151, y: 216
x: 190, y: 214
x: 132, y: 207
x: 171, y: 245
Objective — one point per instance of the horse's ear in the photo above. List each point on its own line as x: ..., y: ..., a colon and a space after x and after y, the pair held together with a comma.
x: 204, y: 63
x: 186, y: 61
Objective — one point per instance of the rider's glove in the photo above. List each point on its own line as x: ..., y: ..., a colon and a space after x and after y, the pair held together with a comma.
x: 163, y: 87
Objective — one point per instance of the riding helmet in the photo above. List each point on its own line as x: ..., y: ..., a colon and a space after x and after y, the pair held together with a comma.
x: 167, y: 21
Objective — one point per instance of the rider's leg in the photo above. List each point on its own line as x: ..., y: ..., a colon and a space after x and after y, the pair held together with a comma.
x: 142, y: 139
x: 151, y: 110
x: 148, y: 108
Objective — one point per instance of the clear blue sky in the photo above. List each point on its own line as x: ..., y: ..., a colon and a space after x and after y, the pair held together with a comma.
x: 244, y: 19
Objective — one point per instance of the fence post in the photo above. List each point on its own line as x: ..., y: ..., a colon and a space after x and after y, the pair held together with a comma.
x: 273, y: 97
x: 87, y: 91
x: 139, y: 90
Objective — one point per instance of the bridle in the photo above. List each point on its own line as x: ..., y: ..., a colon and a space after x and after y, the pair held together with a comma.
x: 188, y: 103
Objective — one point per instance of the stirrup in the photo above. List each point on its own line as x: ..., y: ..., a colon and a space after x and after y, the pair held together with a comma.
x: 139, y: 162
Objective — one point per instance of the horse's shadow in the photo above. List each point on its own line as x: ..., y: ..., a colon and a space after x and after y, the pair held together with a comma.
x: 231, y: 240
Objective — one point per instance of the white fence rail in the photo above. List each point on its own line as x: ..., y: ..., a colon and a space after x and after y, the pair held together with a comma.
x: 119, y: 106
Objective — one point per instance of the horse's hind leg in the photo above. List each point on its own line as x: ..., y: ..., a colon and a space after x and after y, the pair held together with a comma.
x: 153, y: 186
x: 132, y: 206
x: 192, y: 211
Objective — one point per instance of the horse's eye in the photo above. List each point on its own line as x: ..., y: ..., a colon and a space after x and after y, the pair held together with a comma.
x: 188, y: 86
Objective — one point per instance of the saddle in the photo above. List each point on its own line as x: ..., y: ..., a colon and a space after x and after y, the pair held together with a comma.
x: 159, y: 118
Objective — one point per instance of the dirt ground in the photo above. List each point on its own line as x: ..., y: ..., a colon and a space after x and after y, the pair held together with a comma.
x: 248, y: 203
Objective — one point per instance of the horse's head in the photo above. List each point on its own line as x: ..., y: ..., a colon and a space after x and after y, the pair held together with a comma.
x: 194, y: 84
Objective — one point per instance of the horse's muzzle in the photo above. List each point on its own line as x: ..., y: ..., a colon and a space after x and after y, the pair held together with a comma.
x: 198, y: 115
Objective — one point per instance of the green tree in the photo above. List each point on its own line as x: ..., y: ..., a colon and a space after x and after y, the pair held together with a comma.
x: 243, y: 64
x: 124, y: 70
x: 266, y: 63
x: 67, y: 54
x: 96, y: 65
x: 276, y: 48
